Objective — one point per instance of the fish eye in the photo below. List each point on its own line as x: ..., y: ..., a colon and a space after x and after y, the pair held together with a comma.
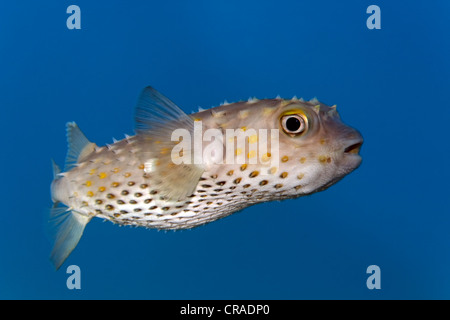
x: 293, y: 124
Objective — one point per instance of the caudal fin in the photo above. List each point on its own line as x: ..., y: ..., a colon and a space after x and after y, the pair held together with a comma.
x: 66, y: 228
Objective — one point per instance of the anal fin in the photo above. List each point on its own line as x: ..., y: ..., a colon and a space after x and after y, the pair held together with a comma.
x: 56, y: 169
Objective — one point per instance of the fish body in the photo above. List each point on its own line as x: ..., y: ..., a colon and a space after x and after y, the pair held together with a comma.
x: 240, y: 154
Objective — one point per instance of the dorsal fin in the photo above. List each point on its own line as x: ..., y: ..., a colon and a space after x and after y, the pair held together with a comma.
x: 156, y: 119
x: 154, y: 112
x: 78, y: 146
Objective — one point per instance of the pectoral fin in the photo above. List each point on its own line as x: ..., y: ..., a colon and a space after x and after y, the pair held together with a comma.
x: 156, y: 119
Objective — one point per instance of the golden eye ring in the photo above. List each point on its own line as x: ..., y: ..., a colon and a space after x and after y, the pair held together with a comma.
x: 294, y: 124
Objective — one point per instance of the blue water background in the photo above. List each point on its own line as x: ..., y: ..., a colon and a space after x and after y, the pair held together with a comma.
x: 392, y: 84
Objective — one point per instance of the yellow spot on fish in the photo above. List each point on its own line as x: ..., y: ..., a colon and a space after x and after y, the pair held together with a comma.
x: 102, y: 175
x: 238, y: 151
x: 268, y: 111
x: 253, y: 139
x: 115, y: 184
x: 283, y: 175
x: 90, y: 194
x: 141, y: 166
x: 163, y: 151
x: 323, y: 141
x: 171, y: 165
x: 302, y: 160
x: 197, y: 119
x: 266, y: 157
x: 285, y: 159
x: 254, y: 174
x: 101, y: 189
x: 243, y: 114
x: 300, y: 176
x: 273, y: 170
x: 92, y: 171
x: 244, y: 128
x: 243, y: 167
x: 251, y: 154
x: 322, y: 159
x: 217, y: 114
x: 127, y: 174
x: 116, y: 170
x: 88, y: 183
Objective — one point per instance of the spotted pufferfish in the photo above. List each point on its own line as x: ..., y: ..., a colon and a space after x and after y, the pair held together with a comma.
x: 138, y: 181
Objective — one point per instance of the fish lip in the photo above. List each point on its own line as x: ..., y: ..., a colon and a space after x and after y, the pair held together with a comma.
x: 351, y: 153
x: 354, y: 148
x: 352, y: 144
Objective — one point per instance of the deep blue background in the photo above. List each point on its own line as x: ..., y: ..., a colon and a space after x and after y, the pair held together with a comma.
x: 392, y: 84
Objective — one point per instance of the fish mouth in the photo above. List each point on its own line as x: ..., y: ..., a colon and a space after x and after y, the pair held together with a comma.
x: 350, y: 155
x: 354, y: 148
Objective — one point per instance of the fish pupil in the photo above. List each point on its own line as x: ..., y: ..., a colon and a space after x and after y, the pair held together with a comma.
x: 293, y: 124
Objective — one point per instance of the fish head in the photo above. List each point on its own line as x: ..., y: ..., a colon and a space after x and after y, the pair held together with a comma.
x: 278, y: 148
x: 314, y: 144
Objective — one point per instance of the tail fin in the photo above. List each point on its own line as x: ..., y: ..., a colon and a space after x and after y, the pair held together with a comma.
x: 66, y: 228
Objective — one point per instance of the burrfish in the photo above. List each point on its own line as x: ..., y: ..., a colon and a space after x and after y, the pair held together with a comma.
x: 181, y: 171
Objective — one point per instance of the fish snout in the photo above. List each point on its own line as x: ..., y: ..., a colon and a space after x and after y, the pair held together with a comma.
x: 347, y: 155
x: 354, y: 147
x: 352, y: 144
